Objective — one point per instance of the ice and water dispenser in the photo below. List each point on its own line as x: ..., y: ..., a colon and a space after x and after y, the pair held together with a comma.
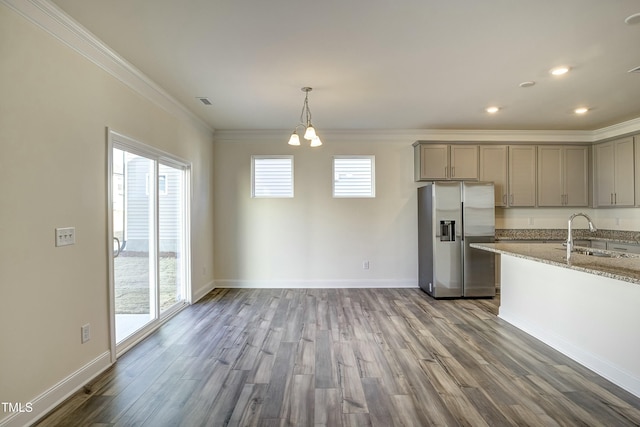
x: 447, y: 231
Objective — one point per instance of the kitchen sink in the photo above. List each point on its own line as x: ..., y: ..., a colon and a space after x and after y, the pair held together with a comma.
x: 594, y: 253
x: 602, y: 253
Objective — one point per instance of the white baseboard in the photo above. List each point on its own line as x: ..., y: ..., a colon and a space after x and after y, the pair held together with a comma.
x: 288, y: 284
x: 200, y: 293
x: 602, y: 367
x: 47, y: 401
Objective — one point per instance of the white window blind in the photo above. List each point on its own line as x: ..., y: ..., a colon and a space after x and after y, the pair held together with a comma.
x: 354, y: 176
x: 272, y: 176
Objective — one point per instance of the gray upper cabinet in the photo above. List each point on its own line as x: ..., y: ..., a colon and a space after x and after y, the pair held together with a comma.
x: 431, y: 162
x: 435, y: 162
x: 544, y: 175
x: 636, y: 140
x: 614, y: 173
x: 493, y: 168
x: 512, y: 169
x: 522, y: 175
x: 464, y: 162
x: 563, y: 175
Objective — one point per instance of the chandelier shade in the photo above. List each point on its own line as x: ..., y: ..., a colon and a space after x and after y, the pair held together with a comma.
x: 310, y: 133
x: 305, y: 122
x: 295, y: 139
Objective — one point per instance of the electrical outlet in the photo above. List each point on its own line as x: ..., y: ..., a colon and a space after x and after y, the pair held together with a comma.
x: 86, y: 333
x: 365, y: 265
x: 65, y: 236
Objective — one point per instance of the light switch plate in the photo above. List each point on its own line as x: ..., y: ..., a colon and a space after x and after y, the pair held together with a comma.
x: 65, y: 236
x: 85, y: 331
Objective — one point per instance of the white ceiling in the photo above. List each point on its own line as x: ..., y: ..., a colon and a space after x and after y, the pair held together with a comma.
x: 381, y: 64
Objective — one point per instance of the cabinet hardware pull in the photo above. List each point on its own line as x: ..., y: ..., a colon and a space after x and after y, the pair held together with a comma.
x: 453, y: 171
x: 504, y: 199
x: 611, y: 198
x: 511, y: 200
x: 620, y: 249
x: 615, y: 198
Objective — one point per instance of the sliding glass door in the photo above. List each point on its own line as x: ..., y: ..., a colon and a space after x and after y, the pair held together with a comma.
x: 171, y: 238
x: 149, y: 207
x: 133, y: 238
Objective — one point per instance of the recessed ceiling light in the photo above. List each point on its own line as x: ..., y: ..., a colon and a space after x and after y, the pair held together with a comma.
x: 558, y: 71
x: 632, y: 19
x: 581, y: 110
x: 527, y: 84
x: 492, y: 110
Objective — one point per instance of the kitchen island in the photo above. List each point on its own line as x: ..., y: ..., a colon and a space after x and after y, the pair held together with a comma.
x: 588, y: 309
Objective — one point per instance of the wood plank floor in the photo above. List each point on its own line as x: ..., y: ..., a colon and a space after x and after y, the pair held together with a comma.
x: 344, y: 357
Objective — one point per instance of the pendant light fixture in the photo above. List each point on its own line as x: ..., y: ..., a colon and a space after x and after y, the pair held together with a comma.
x: 305, y: 121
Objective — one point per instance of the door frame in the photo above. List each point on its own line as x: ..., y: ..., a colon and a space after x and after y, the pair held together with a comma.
x: 121, y: 141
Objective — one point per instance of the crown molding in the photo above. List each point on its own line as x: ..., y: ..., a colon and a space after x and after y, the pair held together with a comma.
x: 444, y: 135
x: 412, y: 135
x: 617, y: 130
x: 56, y: 22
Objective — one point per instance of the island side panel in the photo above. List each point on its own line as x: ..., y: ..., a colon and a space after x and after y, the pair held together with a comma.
x: 592, y: 319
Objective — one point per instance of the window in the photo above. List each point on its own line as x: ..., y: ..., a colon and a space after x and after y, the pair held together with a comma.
x: 272, y: 176
x: 354, y: 176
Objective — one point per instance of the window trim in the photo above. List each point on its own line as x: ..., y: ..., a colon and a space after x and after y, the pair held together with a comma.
x: 255, y: 157
x: 370, y: 157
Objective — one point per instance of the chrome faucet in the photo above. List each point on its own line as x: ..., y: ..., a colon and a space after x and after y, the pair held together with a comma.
x: 592, y: 228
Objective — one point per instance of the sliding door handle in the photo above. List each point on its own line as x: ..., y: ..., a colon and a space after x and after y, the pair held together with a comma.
x: 117, y: 252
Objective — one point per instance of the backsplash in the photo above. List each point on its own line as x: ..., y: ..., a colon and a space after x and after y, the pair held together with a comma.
x: 624, y: 219
x: 561, y: 234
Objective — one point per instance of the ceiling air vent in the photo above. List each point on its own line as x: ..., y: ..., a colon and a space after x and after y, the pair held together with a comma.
x: 635, y: 70
x: 204, y: 100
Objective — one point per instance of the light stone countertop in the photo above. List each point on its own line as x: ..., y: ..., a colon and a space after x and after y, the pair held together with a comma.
x: 626, y: 268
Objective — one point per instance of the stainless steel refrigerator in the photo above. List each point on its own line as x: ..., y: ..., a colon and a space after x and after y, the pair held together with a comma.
x: 451, y: 216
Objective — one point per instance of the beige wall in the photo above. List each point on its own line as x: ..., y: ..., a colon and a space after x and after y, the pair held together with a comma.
x: 54, y: 108
x: 314, y: 239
